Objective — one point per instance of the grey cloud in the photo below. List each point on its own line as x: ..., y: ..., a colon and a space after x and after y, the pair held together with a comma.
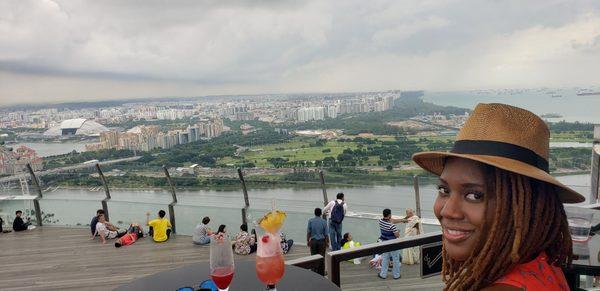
x: 285, y: 45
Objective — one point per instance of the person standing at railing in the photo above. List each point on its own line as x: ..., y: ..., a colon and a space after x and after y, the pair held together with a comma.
x: 389, y: 231
x: 316, y: 238
x: 503, y: 221
x: 335, y: 210
x: 160, y: 228
x: 413, y: 227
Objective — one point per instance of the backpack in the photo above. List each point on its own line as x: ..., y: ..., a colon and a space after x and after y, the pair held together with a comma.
x: 337, y: 213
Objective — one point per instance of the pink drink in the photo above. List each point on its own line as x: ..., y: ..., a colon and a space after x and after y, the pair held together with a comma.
x: 270, y: 269
x: 222, y: 277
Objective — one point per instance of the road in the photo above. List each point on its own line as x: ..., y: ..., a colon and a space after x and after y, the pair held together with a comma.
x: 68, y: 168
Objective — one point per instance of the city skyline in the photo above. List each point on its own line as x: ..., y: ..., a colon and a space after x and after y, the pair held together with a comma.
x: 89, y: 51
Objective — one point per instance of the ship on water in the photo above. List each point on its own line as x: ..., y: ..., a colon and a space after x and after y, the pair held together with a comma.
x: 551, y: 115
x: 587, y: 92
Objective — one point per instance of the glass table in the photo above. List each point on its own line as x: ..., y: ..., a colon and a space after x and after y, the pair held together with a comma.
x: 587, y: 263
x: 295, y: 278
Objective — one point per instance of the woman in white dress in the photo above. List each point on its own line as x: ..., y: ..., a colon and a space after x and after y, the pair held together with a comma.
x: 413, y: 227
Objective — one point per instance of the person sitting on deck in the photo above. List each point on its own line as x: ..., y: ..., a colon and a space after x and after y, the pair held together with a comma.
x: 222, y: 230
x: 103, y: 232
x: 160, y: 228
x: 244, y: 243
x: 134, y: 232
x: 502, y: 216
x: 202, y: 234
x: 18, y: 223
x: 94, y: 221
x: 1, y: 225
x: 347, y: 243
x: 286, y: 244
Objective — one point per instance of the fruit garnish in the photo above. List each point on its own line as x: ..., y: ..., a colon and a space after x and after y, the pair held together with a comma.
x: 265, y: 238
x: 272, y: 221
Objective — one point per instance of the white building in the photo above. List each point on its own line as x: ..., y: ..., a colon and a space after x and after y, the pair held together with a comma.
x: 311, y: 113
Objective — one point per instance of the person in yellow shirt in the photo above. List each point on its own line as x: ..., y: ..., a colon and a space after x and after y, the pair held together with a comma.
x: 160, y: 228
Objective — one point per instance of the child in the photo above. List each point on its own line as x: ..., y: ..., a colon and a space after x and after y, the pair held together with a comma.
x: 134, y: 232
x: 348, y: 243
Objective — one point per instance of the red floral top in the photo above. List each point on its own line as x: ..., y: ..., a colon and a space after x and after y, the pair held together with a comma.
x: 537, y: 274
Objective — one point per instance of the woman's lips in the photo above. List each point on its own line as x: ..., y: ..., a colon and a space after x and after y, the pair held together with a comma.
x: 455, y: 235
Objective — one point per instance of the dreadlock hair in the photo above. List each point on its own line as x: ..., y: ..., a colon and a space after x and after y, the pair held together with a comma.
x: 528, y: 219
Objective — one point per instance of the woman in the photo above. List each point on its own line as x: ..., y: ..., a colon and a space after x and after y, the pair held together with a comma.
x: 244, y: 242
x: 410, y: 256
x: 501, y: 212
x: 347, y: 243
x: 222, y: 230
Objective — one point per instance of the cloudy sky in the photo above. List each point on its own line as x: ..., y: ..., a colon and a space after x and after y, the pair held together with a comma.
x: 53, y: 51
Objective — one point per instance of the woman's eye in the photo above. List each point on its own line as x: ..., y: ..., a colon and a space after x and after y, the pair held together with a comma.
x: 443, y: 190
x: 474, y: 196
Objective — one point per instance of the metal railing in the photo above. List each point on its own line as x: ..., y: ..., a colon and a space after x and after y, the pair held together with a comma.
x: 309, y: 262
x: 334, y: 258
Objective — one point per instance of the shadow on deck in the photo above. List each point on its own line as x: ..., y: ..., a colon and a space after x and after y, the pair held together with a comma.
x: 58, y: 258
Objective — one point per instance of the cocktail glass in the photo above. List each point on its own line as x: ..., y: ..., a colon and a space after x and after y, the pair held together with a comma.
x: 269, y: 259
x: 221, y: 261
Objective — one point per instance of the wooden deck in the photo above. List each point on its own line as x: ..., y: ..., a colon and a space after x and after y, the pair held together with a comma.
x: 56, y: 258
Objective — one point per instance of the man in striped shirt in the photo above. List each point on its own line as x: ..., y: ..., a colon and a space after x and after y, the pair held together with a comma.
x: 388, y: 232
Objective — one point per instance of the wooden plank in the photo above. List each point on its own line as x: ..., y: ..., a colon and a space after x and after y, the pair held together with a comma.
x: 58, y: 258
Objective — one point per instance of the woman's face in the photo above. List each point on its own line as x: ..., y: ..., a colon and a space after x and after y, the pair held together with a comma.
x: 461, y: 206
x: 349, y: 237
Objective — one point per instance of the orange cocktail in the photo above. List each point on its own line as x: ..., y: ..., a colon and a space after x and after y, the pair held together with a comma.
x: 269, y: 256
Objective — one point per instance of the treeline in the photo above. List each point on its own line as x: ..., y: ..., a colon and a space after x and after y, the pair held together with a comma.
x: 207, y: 152
x: 375, y: 122
x: 564, y: 126
x: 78, y: 158
x: 570, y: 158
x: 388, y: 153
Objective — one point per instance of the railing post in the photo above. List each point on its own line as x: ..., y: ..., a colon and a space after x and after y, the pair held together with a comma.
x: 246, y: 200
x: 36, y: 201
x: 173, y: 202
x: 244, y: 215
x: 333, y: 269
x: 417, y: 195
x: 595, y: 175
x: 106, y: 192
x: 325, y: 200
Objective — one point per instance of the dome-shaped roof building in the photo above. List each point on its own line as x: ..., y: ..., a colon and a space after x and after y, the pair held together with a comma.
x: 79, y: 126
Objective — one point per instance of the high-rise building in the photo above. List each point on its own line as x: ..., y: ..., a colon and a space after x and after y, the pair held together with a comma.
x: 311, y: 113
x: 211, y: 128
x: 110, y: 138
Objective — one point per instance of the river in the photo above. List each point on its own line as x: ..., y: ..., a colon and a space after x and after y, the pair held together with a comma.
x: 359, y: 199
x: 46, y: 149
x: 76, y: 206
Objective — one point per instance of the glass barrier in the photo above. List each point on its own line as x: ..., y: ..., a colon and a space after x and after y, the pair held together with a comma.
x: 68, y: 212
x: 188, y: 216
x: 9, y: 207
x: 294, y: 226
x: 123, y: 213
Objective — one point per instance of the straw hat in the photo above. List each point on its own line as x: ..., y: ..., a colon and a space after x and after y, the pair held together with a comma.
x: 505, y: 137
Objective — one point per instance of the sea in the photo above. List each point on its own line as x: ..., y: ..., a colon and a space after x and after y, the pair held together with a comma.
x: 562, y: 101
